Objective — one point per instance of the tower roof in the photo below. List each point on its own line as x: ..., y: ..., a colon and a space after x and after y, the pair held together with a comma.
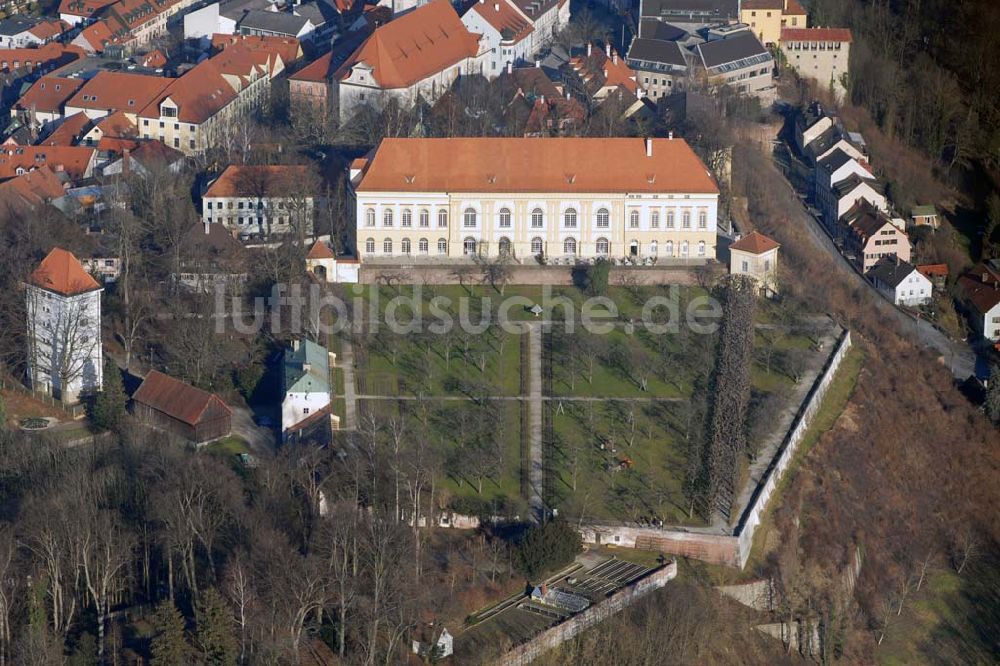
x: 61, y: 272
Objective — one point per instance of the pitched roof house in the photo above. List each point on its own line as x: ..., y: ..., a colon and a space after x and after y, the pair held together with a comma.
x: 305, y: 384
x: 756, y: 255
x: 604, y: 71
x: 184, y: 410
x: 981, y: 293
x: 901, y: 282
x: 870, y: 236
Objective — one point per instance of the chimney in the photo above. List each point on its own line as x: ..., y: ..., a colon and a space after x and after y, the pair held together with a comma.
x: 295, y: 345
x: 605, y: 72
x: 649, y: 147
x: 496, y: 7
x: 538, y: 63
x: 607, y: 49
x: 543, y: 99
x: 614, y: 57
x: 306, y: 367
x: 670, y: 135
x: 510, y: 67
x: 567, y: 94
x: 590, y: 49
x: 986, y: 277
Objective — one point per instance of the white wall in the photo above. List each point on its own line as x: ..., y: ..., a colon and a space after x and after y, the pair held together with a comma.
x: 204, y: 22
x: 293, y: 407
x: 64, y: 331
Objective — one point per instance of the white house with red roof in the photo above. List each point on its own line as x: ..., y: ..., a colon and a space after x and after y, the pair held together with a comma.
x: 506, y: 33
x: 756, y: 255
x: 64, y: 328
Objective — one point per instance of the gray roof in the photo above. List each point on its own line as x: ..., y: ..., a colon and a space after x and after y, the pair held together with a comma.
x: 890, y: 273
x: 235, y: 9
x: 655, y: 51
x: 306, y: 368
x: 281, y: 23
x: 701, y: 11
x: 656, y: 29
x: 743, y: 46
x: 15, y: 25
x: 835, y: 160
x: 852, y: 181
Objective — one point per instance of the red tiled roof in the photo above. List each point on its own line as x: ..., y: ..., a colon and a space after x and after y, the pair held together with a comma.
x: 288, y: 48
x: 49, y: 29
x: 117, y: 125
x: 794, y: 8
x: 31, y: 189
x: 99, y: 34
x: 76, y: 161
x: 154, y: 59
x: 48, y: 94
x: 762, y: 4
x: 119, y: 91
x: 199, y: 94
x: 815, y: 35
x: 251, y: 180
x: 53, y: 54
x: 414, y: 46
x: 86, y: 8
x: 320, y: 250
x: 984, y: 294
x: 536, y: 165
x: 598, y: 71
x: 69, y: 132
x: 755, y: 243
x: 177, y: 399
x: 61, y: 272
x: 317, y: 71
x: 504, y: 18
x: 934, y: 270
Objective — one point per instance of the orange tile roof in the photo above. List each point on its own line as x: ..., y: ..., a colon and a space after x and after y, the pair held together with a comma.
x: 414, y: 46
x: 117, y: 125
x: 320, y: 250
x: 815, y: 35
x: 981, y: 287
x: 52, y: 54
x: 934, y: 270
x: 199, y: 94
x: 117, y: 145
x: 289, y: 48
x: 31, y: 189
x: 48, y: 94
x: 599, y: 71
x: 504, y: 18
x: 251, y: 180
x: 119, y: 91
x: 61, y: 272
x: 536, y: 165
x: 755, y: 243
x: 178, y: 399
x: 100, y: 34
x: 318, y: 70
x: 154, y: 59
x: 794, y: 8
x: 69, y: 132
x: 76, y: 161
x: 85, y: 8
x: 49, y: 29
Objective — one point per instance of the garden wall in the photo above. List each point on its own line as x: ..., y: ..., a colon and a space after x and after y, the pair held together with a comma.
x: 619, y: 600
x: 686, y: 274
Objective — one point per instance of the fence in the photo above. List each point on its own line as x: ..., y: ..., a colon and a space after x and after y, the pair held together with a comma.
x: 77, y: 411
x: 564, y: 631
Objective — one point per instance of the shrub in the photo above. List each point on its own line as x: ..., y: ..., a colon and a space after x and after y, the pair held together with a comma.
x: 547, y: 546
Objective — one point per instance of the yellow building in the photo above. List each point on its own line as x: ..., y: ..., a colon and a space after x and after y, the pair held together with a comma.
x: 557, y: 198
x: 767, y: 17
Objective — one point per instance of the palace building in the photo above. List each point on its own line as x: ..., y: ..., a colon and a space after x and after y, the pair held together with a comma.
x: 556, y: 198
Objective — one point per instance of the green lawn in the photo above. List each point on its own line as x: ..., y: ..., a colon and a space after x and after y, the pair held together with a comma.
x: 227, y: 447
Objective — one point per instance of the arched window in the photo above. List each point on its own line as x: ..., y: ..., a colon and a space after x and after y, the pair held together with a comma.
x: 633, y: 248
x: 603, y: 247
x: 504, y: 245
x: 387, y: 217
x: 442, y: 246
x: 505, y: 218
x: 442, y: 218
x: 407, y: 219
x: 603, y: 218
x: 654, y: 219
x: 537, y: 218
x: 684, y: 249
x: 469, y: 246
x: 668, y: 248
x: 633, y: 219
x: 654, y: 248
x: 370, y: 217
x: 422, y: 245
x: 370, y: 246
x: 701, y: 248
x: 670, y: 219
x: 387, y: 246
x: 569, y: 218
x: 469, y: 218
x: 536, y: 245
x: 569, y: 246
x: 405, y: 245
x: 686, y: 219
x: 702, y: 220
x: 425, y: 218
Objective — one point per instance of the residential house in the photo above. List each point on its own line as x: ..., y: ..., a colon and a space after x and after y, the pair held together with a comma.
x: 148, y: 158
x: 27, y: 65
x: 305, y: 385
x: 65, y: 357
x: 547, y: 17
x: 107, y: 269
x: 70, y: 132
x: 925, y: 216
x: 810, y: 124
x: 211, y: 259
x: 980, y: 289
x: 756, y: 255
x: 325, y: 266
x: 835, y: 139
x: 848, y: 193
x: 694, y: 13
x: 767, y: 18
x: 289, y: 49
x: 660, y: 65
x: 733, y: 56
x: 76, y: 12
x: 266, y: 23
x: 619, y: 197
x: 42, y: 107
x: 830, y: 171
x: 901, y: 282
x: 420, y: 53
x: 869, y: 236
x: 23, y: 195
x: 108, y: 92
x: 189, y: 412
x: 76, y: 162
x: 260, y: 201
x: 603, y: 71
x: 936, y: 273
x: 16, y: 32
x: 538, y: 104
x: 506, y: 34
x: 821, y: 54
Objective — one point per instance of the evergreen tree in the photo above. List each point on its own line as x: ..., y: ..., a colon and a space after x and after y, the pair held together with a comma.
x: 168, y: 647
x: 596, y: 277
x: 993, y: 395
x: 109, y: 405
x: 215, y: 629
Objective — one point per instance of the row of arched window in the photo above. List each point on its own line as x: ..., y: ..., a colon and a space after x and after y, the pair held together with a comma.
x: 471, y: 246
x: 470, y: 218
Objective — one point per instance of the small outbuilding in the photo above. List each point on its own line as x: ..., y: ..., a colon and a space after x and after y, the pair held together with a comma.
x: 179, y: 408
x: 925, y: 216
x: 756, y: 255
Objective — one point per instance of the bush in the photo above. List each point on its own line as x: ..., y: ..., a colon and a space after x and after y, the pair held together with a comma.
x: 107, y: 410
x: 545, y: 547
x: 595, y: 280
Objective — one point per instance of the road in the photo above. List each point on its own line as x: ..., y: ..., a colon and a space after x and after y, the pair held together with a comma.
x: 260, y: 441
x: 958, y: 356
x: 535, y: 419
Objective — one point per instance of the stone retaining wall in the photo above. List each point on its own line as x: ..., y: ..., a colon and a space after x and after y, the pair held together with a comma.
x: 686, y: 274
